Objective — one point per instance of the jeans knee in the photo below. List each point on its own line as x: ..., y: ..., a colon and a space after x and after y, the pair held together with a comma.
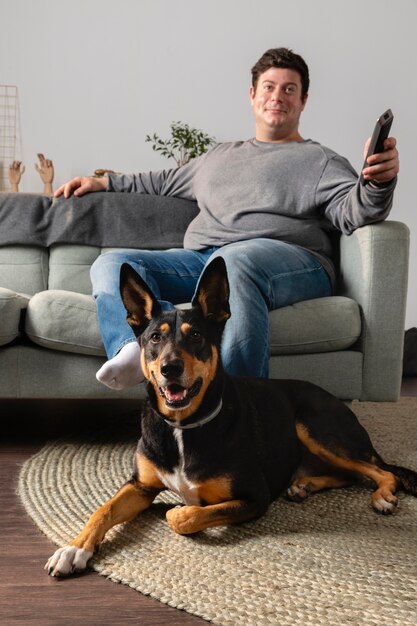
x: 106, y: 269
x: 238, y: 265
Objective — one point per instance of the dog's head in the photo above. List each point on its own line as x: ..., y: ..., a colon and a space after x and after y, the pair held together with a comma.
x: 180, y: 349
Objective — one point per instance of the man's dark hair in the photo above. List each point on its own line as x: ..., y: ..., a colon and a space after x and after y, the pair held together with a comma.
x: 282, y: 57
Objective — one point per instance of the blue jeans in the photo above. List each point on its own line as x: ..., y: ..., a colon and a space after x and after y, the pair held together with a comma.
x: 264, y: 274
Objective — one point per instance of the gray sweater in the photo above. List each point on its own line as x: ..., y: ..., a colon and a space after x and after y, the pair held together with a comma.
x: 296, y: 192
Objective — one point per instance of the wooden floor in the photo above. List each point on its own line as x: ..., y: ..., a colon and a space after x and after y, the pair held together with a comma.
x: 27, y: 595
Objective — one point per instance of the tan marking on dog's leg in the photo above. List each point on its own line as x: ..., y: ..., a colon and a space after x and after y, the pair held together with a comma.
x: 383, y: 499
x: 129, y: 501
x: 186, y: 520
x: 215, y: 490
x: 304, y: 486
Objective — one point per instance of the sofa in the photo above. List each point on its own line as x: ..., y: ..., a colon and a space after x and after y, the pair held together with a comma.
x: 50, y: 345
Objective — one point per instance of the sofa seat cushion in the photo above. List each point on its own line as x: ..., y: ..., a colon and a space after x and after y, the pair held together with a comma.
x: 313, y: 326
x: 65, y: 321
x: 11, y: 305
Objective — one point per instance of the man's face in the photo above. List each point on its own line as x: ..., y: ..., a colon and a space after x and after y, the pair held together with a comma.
x: 277, y: 105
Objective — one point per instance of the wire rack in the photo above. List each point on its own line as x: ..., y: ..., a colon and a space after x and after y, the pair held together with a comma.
x: 9, y: 131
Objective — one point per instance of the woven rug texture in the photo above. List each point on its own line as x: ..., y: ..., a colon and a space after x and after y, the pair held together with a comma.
x: 330, y: 561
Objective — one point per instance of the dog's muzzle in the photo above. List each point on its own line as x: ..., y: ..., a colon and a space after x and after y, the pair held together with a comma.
x: 177, y: 396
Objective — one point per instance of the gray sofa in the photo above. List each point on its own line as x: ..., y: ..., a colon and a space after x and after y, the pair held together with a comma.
x: 50, y: 344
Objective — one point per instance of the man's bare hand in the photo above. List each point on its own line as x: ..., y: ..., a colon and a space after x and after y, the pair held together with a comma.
x: 382, y: 167
x: 16, y: 170
x: 79, y: 186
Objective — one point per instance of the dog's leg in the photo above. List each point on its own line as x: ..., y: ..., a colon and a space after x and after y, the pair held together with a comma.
x: 301, y: 488
x: 129, y: 501
x: 186, y: 520
x: 383, y: 500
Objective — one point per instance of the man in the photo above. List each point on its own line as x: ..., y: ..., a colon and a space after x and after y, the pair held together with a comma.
x: 266, y: 206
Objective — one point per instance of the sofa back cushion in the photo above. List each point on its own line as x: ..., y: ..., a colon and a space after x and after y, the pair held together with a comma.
x: 24, y: 269
x: 69, y: 267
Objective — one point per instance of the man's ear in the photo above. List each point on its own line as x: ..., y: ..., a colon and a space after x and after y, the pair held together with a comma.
x: 252, y: 92
x: 304, y: 100
x: 140, y: 303
x: 212, y: 293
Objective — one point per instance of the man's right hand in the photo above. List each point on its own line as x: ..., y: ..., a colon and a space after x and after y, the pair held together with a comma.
x: 79, y: 186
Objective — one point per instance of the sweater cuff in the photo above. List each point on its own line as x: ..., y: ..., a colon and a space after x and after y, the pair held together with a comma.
x: 376, y: 185
x: 110, y: 183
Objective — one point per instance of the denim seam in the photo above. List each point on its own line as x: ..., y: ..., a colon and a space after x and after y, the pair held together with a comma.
x: 308, y: 270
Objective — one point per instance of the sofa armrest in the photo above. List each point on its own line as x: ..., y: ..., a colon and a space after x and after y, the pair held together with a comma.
x: 374, y: 272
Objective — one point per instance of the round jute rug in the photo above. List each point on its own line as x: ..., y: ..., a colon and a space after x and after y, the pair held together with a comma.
x: 329, y: 561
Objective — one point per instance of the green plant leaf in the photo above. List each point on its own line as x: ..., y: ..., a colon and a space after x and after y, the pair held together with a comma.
x: 184, y: 144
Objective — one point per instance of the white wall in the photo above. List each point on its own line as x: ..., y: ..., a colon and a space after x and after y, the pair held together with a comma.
x: 95, y: 76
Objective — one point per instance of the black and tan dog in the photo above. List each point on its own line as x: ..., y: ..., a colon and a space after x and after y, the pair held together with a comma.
x: 228, y: 446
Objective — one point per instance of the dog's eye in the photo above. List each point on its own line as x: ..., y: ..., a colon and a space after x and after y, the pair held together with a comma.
x: 156, y: 337
x: 196, y: 336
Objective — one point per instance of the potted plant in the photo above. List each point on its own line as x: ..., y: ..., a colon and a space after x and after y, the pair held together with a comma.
x: 184, y: 144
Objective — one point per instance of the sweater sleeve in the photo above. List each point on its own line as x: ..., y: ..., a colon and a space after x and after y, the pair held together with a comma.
x: 346, y: 203
x: 178, y: 182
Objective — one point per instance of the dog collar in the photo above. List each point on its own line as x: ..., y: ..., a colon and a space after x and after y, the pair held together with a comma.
x: 199, y: 422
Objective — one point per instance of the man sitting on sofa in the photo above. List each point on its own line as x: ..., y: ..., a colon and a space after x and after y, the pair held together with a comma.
x: 267, y: 206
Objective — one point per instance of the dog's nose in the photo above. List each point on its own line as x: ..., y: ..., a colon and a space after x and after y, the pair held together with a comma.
x: 172, y: 368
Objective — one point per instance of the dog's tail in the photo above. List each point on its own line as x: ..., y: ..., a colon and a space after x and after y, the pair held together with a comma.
x: 407, y: 477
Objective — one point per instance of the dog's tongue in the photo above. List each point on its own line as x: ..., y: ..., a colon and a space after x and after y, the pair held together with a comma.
x: 175, y: 393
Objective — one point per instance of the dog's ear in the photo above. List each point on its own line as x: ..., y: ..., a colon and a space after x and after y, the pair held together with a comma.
x: 212, y: 293
x: 140, y: 303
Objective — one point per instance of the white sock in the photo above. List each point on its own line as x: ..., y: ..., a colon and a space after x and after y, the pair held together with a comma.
x: 123, y: 370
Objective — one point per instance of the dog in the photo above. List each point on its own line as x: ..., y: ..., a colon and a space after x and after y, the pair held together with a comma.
x: 227, y: 445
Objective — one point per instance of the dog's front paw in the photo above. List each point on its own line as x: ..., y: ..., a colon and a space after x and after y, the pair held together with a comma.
x: 68, y: 560
x: 184, y: 519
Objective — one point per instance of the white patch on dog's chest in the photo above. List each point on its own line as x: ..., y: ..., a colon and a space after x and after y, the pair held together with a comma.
x: 177, y: 480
